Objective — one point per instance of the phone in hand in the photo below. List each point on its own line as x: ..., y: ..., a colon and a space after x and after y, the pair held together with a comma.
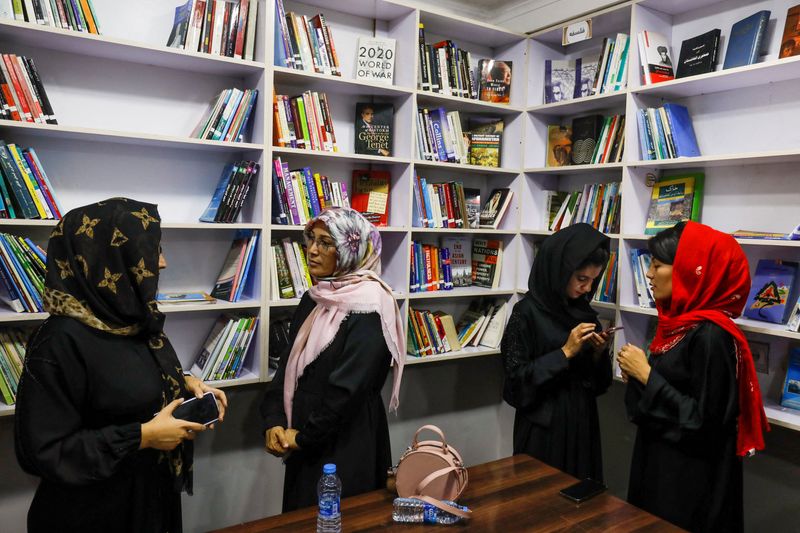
x: 583, y: 490
x: 613, y: 329
x: 199, y: 410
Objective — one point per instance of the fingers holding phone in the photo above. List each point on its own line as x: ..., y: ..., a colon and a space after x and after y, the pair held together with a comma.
x: 165, y: 432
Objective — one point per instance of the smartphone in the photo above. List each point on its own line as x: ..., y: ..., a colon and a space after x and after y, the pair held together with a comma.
x: 583, y: 490
x: 613, y: 329
x: 200, y: 410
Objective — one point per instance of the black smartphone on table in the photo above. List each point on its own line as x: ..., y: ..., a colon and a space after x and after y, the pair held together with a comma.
x: 583, y: 490
x: 199, y: 410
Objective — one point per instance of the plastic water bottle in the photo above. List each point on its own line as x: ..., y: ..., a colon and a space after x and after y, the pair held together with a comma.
x: 329, y: 490
x: 414, y: 510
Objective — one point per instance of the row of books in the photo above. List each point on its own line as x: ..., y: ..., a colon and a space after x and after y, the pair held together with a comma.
x: 12, y: 352
x: 78, y: 15
x: 445, y: 205
x: 460, y: 262
x: 666, y: 132
x: 598, y: 204
x: 640, y: 264
x: 225, y: 349
x: 303, y: 121
x: 300, y: 195
x: 304, y: 43
x: 592, y: 139
x: 607, y: 288
x: 289, y: 276
x: 22, y: 273
x: 430, y: 268
x: 237, y: 267
x: 482, y: 324
x: 228, y: 116
x: 25, y: 190
x: 220, y: 27
x: 231, y: 192
x: 444, y: 68
x: 22, y: 94
x: 440, y: 137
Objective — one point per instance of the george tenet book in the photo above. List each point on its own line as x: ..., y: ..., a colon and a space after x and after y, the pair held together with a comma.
x: 698, y: 54
x: 373, y: 129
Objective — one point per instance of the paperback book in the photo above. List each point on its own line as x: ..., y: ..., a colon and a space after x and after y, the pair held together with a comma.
x: 559, y: 145
x: 655, y: 57
x: 487, y: 260
x: 485, y: 141
x: 674, y: 199
x: 375, y: 60
x: 790, y: 43
x: 698, y: 54
x: 559, y: 84
x: 772, y: 288
x: 495, y: 208
x: 460, y: 259
x: 370, y: 195
x: 495, y: 80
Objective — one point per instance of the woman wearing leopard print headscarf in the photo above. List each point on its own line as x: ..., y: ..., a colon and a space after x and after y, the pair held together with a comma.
x: 94, y: 374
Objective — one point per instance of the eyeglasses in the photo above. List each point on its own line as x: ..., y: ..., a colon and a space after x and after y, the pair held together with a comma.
x: 323, y: 246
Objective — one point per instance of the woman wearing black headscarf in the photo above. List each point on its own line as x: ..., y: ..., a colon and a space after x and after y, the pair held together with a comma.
x: 555, y: 357
x: 95, y: 373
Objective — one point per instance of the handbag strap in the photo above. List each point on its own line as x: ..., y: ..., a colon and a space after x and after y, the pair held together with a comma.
x: 436, y: 474
x: 436, y: 430
x: 444, y: 507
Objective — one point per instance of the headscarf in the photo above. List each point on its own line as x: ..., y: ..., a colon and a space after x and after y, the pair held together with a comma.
x: 711, y: 281
x: 102, y: 270
x: 354, y: 287
x: 558, y: 258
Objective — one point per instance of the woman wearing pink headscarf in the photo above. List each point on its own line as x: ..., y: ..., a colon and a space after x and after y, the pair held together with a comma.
x: 325, y: 405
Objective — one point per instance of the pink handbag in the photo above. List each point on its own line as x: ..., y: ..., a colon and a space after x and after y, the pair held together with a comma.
x: 431, y: 470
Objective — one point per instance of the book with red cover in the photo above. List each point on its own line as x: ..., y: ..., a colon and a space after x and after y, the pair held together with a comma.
x: 370, y: 195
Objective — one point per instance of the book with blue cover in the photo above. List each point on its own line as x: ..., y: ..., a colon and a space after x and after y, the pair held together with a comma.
x: 791, y: 388
x: 744, y: 43
x: 771, y: 291
x: 683, y: 136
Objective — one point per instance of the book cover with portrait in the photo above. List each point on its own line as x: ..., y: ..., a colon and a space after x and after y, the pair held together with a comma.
x: 373, y: 129
x: 495, y: 80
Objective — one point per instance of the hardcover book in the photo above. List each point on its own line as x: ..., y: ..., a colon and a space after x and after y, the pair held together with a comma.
x: 681, y: 131
x: 585, y: 135
x: 674, y: 199
x: 790, y: 43
x: 495, y: 207
x: 559, y: 80
x: 744, y: 43
x: 460, y: 259
x: 495, y: 81
x: 655, y: 57
x: 485, y: 136
x: 370, y: 195
x: 472, y: 197
x: 791, y: 387
x: 487, y: 259
x: 698, y: 54
x: 771, y: 290
x: 559, y: 146
x: 373, y: 129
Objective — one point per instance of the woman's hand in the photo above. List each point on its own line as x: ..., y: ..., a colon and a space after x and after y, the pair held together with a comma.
x: 280, y: 441
x: 199, y: 387
x: 164, y: 432
x: 577, y: 337
x: 633, y: 363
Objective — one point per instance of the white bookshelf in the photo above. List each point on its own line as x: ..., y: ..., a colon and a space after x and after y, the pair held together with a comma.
x: 126, y: 102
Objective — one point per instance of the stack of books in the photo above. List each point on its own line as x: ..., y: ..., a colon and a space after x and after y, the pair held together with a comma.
x: 25, y: 191
x: 22, y: 94
x: 304, y: 43
x: 78, y: 15
x: 445, y: 205
x: 607, y: 289
x: 300, y: 195
x: 483, y: 323
x: 597, y: 204
x: 12, y: 352
x: 289, y: 276
x: 446, y: 69
x: 231, y: 192
x: 666, y: 132
x: 219, y: 27
x: 304, y: 122
x: 22, y: 273
x: 227, y: 117
x: 430, y: 268
x: 225, y: 349
x: 236, y: 269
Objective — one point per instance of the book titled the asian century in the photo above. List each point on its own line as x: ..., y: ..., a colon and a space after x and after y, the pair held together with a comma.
x: 674, y: 199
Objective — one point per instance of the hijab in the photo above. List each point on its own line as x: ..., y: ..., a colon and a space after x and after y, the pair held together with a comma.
x: 102, y: 270
x: 354, y: 287
x: 710, y: 282
x: 559, y: 256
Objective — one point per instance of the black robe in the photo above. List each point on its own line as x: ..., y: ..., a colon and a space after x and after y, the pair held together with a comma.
x: 556, y: 419
x: 82, y: 399
x: 337, y: 409
x: 684, y: 467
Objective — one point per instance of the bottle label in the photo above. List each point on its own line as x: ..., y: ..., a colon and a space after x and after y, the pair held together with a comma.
x: 429, y: 513
x: 329, y: 506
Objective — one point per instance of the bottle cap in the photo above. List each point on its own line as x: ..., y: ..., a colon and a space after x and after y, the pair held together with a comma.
x: 329, y: 468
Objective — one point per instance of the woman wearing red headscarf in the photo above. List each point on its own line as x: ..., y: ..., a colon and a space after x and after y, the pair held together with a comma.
x: 696, y: 399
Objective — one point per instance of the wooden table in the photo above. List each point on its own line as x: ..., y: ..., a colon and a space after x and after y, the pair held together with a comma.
x: 517, y: 493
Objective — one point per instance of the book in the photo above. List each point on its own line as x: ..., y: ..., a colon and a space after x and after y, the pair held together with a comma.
x: 791, y: 387
x: 485, y: 135
x: 698, y: 55
x: 180, y: 26
x: 460, y: 259
x: 369, y: 195
x: 674, y: 199
x: 746, y: 37
x: 655, y: 57
x: 493, y: 333
x: 793, y: 324
x: 559, y: 84
x: 772, y: 288
x: 790, y: 42
x: 585, y: 74
x: 495, y: 207
x: 495, y: 81
x: 373, y: 129
x: 375, y: 60
x: 234, y: 266
x: 681, y: 130
x: 585, y: 136
x: 185, y: 297
x: 472, y: 198
x: 559, y: 146
x: 487, y: 259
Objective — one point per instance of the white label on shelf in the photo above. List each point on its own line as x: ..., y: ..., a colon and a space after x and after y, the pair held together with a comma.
x: 577, y: 32
x: 375, y: 60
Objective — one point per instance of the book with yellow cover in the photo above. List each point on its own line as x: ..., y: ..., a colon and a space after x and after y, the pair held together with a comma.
x: 674, y: 199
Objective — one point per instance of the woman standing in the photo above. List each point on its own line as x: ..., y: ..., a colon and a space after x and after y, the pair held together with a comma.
x: 324, y: 405
x: 696, y: 401
x: 555, y: 357
x: 95, y: 373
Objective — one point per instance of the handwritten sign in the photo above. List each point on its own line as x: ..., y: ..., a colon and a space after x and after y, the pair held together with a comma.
x: 576, y: 32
